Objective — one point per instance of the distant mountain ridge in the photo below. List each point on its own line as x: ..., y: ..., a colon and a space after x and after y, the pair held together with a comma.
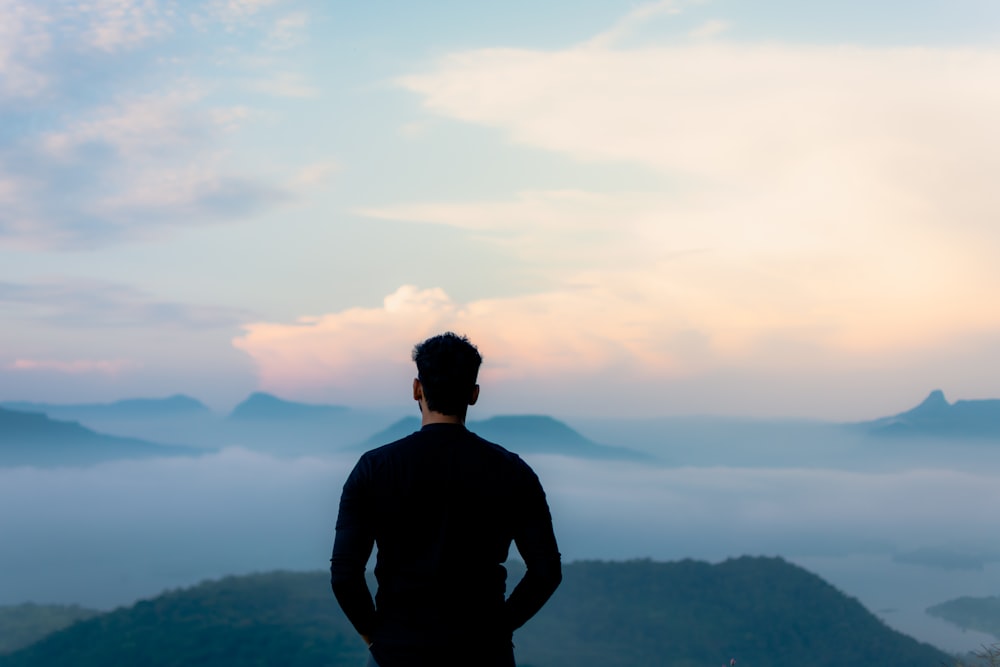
x: 32, y: 438
x: 129, y: 408
x: 262, y: 406
x: 760, y: 611
x: 935, y: 416
x: 522, y: 434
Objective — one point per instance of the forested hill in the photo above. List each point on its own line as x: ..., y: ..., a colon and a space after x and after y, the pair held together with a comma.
x: 761, y: 611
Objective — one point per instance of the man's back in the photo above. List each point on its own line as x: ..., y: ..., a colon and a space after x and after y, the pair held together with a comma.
x: 443, y: 506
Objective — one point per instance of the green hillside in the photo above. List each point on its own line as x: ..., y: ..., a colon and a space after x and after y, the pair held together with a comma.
x: 24, y: 624
x: 761, y: 611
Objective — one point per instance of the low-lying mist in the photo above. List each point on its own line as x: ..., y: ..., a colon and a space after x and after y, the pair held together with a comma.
x: 106, y: 535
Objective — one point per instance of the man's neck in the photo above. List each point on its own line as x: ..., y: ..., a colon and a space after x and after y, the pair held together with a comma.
x: 431, y: 417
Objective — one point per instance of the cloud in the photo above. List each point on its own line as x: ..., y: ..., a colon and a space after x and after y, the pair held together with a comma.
x: 232, y: 11
x: 626, y: 25
x: 316, y: 174
x: 127, y: 170
x: 138, y: 527
x: 358, y: 351
x: 830, y: 198
x: 31, y: 33
x: 652, y: 345
x: 719, y: 111
x: 141, y: 527
x: 86, y: 303
x: 722, y: 511
x: 710, y: 29
x: 137, y: 140
x: 113, y: 25
x: 288, y: 31
x: 141, y: 125
x: 24, y: 40
x: 555, y: 342
x: 74, y: 367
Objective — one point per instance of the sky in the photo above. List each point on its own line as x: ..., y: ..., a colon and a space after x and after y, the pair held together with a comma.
x: 766, y: 208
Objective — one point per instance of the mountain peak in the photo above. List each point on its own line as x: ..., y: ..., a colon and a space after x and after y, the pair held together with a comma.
x: 936, y: 416
x: 261, y: 405
x: 935, y: 400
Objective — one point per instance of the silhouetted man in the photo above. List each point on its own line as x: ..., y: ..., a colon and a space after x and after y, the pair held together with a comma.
x: 443, y: 506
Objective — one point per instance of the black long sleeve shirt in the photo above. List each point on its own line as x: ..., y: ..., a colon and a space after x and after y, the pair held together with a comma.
x: 443, y: 506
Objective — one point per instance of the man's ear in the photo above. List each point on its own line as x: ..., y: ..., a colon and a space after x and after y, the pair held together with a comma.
x: 475, y: 395
x: 418, y: 389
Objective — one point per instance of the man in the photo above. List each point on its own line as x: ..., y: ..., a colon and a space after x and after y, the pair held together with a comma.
x: 443, y: 506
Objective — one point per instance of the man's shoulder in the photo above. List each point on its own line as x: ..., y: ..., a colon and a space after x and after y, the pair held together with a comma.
x: 497, y: 448
x: 391, y: 447
x: 414, y: 444
x: 511, y: 458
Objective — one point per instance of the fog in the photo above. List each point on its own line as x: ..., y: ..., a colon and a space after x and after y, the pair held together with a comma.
x: 107, y: 535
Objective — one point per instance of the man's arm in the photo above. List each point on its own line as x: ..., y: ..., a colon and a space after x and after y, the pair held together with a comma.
x: 536, y: 542
x: 352, y: 547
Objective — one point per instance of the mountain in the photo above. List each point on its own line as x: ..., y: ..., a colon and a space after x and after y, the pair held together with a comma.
x: 260, y: 406
x: 34, y: 439
x: 760, y: 611
x: 538, y: 434
x: 286, y: 428
x: 24, y: 624
x: 971, y: 613
x: 132, y: 408
x: 935, y: 416
x: 522, y: 434
x: 177, y: 418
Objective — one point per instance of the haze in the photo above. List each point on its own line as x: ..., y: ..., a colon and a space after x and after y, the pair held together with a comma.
x: 112, y: 533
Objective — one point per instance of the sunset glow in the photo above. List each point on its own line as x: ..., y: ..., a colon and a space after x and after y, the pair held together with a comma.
x: 694, y: 207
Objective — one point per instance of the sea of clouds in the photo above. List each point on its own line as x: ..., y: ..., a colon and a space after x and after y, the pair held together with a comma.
x: 107, y: 535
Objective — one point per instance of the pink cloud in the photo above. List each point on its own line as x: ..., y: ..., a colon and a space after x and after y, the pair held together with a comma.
x: 362, y: 355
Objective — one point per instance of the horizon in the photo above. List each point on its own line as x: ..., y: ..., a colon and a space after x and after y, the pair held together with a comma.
x: 635, y: 210
x: 475, y: 413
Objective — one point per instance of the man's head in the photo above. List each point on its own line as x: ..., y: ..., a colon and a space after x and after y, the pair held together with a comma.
x: 447, y: 366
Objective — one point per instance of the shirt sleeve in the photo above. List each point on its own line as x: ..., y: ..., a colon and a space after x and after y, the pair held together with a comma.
x: 352, y: 547
x: 536, y: 542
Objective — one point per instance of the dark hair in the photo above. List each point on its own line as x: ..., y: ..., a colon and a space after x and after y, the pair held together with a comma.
x: 447, y: 366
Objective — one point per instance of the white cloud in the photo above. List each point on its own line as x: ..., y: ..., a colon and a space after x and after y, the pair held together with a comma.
x: 642, y: 14
x: 727, y: 112
x: 709, y: 29
x: 140, y: 125
x: 233, y: 10
x: 24, y: 39
x: 288, y: 31
x: 114, y: 158
x: 838, y: 190
x: 625, y: 335
x: 316, y: 174
x: 126, y: 168
x: 113, y: 25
